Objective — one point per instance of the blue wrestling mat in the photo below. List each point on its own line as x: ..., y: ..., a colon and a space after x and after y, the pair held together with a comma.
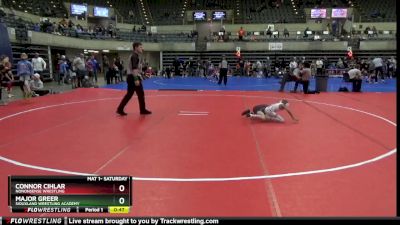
x: 248, y: 84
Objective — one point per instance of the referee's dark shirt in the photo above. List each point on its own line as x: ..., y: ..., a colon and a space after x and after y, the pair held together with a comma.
x: 133, y: 63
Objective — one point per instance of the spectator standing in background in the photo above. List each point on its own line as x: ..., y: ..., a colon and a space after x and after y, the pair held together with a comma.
x: 96, y: 67
x: 38, y: 64
x: 241, y: 33
x: 90, y: 68
x: 378, y: 65
x: 118, y: 62
x: 392, y: 67
x: 79, y: 64
x: 105, y: 66
x: 293, y: 65
x: 319, y: 64
x: 63, y: 70
x: 25, y: 71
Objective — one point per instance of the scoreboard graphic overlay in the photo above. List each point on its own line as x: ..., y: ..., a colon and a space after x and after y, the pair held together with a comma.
x: 70, y: 194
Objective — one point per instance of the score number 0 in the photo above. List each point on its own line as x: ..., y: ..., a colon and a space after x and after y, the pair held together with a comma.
x: 121, y: 200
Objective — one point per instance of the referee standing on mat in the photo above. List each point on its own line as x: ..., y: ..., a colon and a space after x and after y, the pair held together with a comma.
x: 134, y: 80
x: 223, y: 71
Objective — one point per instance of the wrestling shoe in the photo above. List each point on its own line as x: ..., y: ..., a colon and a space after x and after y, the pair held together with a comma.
x: 247, y: 111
